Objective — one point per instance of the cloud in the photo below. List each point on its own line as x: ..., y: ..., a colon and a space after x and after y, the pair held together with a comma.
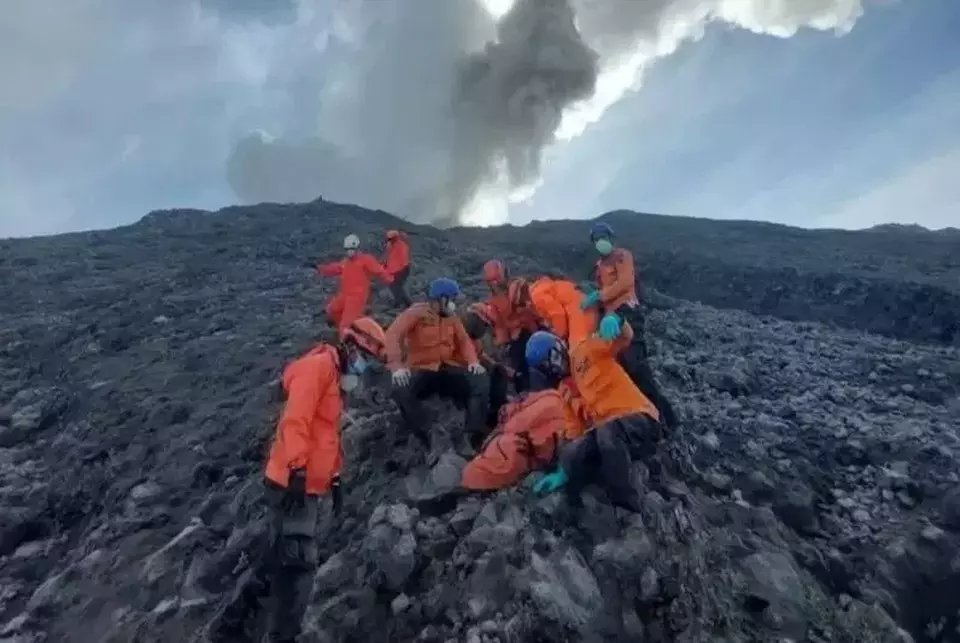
x: 404, y: 106
x: 477, y: 137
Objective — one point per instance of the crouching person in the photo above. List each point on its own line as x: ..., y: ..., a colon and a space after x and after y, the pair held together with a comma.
x: 440, y: 360
x: 304, y: 465
x: 626, y: 425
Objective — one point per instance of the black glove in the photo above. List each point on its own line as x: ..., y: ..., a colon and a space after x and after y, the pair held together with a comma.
x: 297, y: 486
x: 336, y: 494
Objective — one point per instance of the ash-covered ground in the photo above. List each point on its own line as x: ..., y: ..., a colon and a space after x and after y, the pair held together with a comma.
x: 813, y: 493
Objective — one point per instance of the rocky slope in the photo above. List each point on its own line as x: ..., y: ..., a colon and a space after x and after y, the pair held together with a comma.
x: 812, y: 496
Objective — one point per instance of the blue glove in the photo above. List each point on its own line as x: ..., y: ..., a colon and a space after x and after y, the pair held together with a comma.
x: 610, y: 327
x: 551, y: 482
x: 591, y: 299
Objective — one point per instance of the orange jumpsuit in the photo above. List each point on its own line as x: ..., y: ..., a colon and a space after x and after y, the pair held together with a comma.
x: 431, y: 340
x: 557, y: 303
x: 527, y: 438
x: 625, y: 423
x: 508, y: 322
x: 398, y: 254
x: 607, y: 391
x: 308, y: 434
x: 356, y: 272
x: 616, y: 279
x: 438, y: 350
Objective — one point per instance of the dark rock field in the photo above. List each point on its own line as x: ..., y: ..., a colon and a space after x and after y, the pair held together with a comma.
x: 813, y: 493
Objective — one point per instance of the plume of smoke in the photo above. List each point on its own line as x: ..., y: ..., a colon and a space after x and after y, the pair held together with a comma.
x: 509, y: 98
x: 443, y: 121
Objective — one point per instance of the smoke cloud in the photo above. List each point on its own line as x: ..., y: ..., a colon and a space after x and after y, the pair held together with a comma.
x: 442, y: 111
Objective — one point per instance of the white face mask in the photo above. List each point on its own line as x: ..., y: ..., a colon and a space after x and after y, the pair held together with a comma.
x: 349, y: 382
x: 351, y: 252
x: 451, y: 307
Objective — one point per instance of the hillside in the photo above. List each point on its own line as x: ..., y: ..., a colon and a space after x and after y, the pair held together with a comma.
x: 813, y: 494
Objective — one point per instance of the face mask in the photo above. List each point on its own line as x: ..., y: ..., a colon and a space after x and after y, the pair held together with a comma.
x: 357, y: 366
x: 447, y: 308
x: 603, y: 246
x: 350, y: 253
x: 349, y: 382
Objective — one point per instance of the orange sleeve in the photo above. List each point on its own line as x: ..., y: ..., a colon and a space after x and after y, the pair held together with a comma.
x: 304, y: 393
x: 333, y: 269
x: 374, y: 267
x: 396, y: 333
x: 551, y: 311
x: 467, y: 347
x: 501, y: 334
x: 625, y: 278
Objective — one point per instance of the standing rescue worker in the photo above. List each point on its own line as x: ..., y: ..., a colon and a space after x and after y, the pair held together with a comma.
x: 478, y: 321
x: 397, y: 265
x: 512, y: 326
x: 304, y: 464
x: 440, y: 360
x: 356, y: 271
x: 625, y: 423
x: 616, y: 296
x: 556, y: 302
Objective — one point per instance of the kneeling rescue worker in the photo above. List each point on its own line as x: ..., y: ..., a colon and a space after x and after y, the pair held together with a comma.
x: 512, y: 326
x: 356, y: 271
x: 304, y: 464
x: 557, y: 305
x: 440, y: 360
x: 626, y: 425
x: 616, y: 295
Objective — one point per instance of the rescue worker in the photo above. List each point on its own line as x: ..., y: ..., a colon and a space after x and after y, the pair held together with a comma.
x: 356, y: 271
x: 478, y: 322
x: 304, y: 464
x: 626, y: 425
x: 397, y: 265
x: 556, y: 302
x: 531, y: 430
x: 616, y: 297
x: 512, y: 327
x: 440, y: 360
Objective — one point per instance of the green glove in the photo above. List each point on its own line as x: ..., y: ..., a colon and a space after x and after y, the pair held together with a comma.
x: 551, y: 482
x: 590, y: 299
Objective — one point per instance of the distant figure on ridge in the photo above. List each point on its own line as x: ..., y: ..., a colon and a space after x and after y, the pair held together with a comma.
x: 397, y: 264
x: 356, y: 271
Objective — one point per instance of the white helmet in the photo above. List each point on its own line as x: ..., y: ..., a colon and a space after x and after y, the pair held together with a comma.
x: 351, y: 242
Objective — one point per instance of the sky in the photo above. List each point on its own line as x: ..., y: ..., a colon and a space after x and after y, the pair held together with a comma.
x: 815, y: 113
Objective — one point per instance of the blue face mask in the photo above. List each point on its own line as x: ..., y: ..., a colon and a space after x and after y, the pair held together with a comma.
x: 603, y: 246
x: 357, y: 366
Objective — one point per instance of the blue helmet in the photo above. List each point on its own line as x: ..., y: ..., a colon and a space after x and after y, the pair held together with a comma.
x: 443, y: 288
x: 600, y: 230
x: 540, y: 348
